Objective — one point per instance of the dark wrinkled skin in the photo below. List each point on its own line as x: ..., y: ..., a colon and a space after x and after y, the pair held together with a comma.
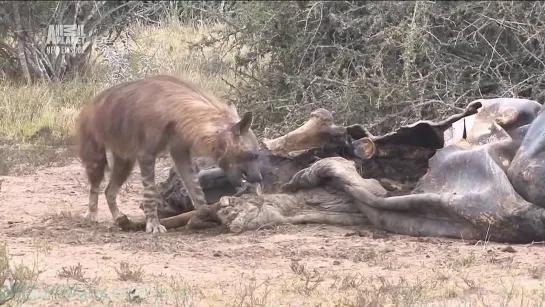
x: 481, y: 175
x: 527, y: 171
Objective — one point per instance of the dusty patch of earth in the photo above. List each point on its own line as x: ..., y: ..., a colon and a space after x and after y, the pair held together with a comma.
x: 313, y: 265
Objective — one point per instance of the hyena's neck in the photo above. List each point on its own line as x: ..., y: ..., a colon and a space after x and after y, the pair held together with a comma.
x: 208, y: 138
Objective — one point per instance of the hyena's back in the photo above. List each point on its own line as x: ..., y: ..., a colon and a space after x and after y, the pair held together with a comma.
x: 131, y: 116
x: 136, y: 120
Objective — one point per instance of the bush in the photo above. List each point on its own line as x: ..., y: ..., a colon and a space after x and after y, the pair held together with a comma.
x: 382, y: 64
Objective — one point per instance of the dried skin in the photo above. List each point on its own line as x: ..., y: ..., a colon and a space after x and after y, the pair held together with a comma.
x: 465, y: 194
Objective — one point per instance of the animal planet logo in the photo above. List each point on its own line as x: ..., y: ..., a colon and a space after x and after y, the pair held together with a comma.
x: 65, y: 39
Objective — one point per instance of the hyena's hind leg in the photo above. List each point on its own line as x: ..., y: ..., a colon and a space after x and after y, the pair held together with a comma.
x: 152, y: 198
x: 121, y: 170
x: 93, y: 157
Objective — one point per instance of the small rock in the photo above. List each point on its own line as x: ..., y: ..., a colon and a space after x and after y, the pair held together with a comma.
x: 216, y: 254
x: 508, y: 249
x: 376, y: 236
x: 389, y: 250
x: 336, y: 262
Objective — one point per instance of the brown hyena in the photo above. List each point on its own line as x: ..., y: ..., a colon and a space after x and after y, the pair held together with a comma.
x: 139, y: 119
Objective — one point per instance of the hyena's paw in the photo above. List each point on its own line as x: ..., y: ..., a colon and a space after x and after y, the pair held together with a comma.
x: 91, y: 216
x: 154, y: 226
x: 117, y: 215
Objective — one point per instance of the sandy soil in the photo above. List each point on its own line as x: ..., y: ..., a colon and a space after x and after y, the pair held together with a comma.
x: 314, y: 265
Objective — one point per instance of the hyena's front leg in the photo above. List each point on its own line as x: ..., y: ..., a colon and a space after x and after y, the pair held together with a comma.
x: 182, y: 160
x: 151, y: 196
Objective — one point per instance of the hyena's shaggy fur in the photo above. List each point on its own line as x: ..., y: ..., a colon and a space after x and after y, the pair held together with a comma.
x: 137, y: 120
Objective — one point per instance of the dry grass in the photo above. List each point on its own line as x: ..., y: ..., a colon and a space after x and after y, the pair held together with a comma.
x: 17, y: 281
x: 166, y: 48
x: 24, y: 110
x: 48, y: 111
x: 127, y: 273
x: 74, y: 272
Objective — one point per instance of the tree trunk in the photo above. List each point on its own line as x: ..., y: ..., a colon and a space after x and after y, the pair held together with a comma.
x: 20, y: 42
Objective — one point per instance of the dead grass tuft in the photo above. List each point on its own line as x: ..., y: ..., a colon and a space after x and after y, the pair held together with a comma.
x: 252, y: 293
x: 309, y: 280
x: 126, y: 272
x: 537, y: 272
x: 74, y: 272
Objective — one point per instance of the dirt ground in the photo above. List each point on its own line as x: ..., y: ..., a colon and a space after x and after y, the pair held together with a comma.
x: 313, y: 265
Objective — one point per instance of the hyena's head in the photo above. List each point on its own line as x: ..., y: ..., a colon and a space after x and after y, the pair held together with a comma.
x: 241, y: 156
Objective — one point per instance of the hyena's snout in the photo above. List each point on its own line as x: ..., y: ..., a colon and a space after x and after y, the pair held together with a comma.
x: 237, y: 172
x: 252, y: 171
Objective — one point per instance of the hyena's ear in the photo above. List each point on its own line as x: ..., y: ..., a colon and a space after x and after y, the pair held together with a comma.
x: 243, y: 125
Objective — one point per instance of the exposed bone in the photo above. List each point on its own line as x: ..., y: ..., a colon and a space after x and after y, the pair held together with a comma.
x: 318, y: 131
x: 189, y: 218
x: 455, y: 133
